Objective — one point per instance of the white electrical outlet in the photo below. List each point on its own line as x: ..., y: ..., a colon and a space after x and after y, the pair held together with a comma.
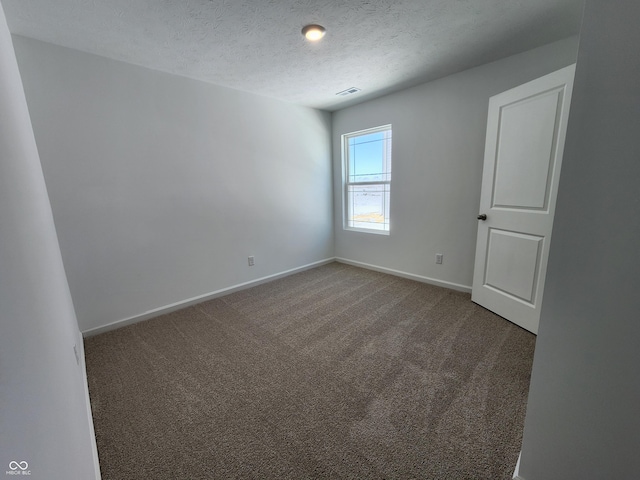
x: 439, y: 257
x: 251, y: 261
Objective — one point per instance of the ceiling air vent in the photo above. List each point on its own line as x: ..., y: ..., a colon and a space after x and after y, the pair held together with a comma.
x: 348, y: 91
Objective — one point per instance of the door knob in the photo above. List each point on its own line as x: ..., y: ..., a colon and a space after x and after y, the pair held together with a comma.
x: 482, y: 217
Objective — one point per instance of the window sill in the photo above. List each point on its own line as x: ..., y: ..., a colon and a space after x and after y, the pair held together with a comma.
x: 367, y: 230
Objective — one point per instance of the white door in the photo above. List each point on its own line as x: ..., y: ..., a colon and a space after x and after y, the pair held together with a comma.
x: 526, y: 129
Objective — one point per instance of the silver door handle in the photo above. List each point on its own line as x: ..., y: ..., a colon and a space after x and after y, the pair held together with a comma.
x: 482, y: 217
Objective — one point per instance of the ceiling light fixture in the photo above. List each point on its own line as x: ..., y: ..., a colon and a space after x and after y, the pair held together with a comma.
x: 313, y: 33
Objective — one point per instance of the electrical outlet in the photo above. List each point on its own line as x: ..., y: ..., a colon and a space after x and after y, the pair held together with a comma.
x: 251, y: 261
x: 439, y: 257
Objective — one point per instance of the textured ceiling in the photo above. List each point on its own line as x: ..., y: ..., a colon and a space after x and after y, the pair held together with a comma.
x: 255, y: 45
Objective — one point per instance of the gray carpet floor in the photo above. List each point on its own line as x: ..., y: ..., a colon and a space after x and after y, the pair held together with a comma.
x: 335, y: 372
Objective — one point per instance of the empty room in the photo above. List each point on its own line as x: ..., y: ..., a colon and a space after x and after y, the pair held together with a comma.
x: 295, y: 239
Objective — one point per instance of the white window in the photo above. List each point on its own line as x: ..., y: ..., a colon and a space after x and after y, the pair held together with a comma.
x: 366, y: 160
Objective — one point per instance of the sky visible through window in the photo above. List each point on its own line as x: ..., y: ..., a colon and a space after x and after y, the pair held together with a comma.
x: 366, y: 158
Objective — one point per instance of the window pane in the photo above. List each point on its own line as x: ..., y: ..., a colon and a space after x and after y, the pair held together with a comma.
x: 367, y: 158
x: 367, y: 164
x: 368, y: 206
x: 352, y: 163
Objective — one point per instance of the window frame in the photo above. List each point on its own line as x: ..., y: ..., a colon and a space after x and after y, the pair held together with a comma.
x: 346, y: 183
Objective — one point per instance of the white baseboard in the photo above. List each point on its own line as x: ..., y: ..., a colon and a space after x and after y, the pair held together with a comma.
x: 200, y: 298
x: 410, y: 276
x: 516, y: 472
x: 94, y: 446
x: 242, y: 286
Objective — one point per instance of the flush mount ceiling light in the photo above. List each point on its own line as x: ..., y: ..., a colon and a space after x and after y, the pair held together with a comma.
x: 313, y: 33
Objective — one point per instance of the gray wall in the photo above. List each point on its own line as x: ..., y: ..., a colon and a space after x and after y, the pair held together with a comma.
x: 583, y: 416
x: 44, y: 409
x: 438, y: 148
x: 161, y: 186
